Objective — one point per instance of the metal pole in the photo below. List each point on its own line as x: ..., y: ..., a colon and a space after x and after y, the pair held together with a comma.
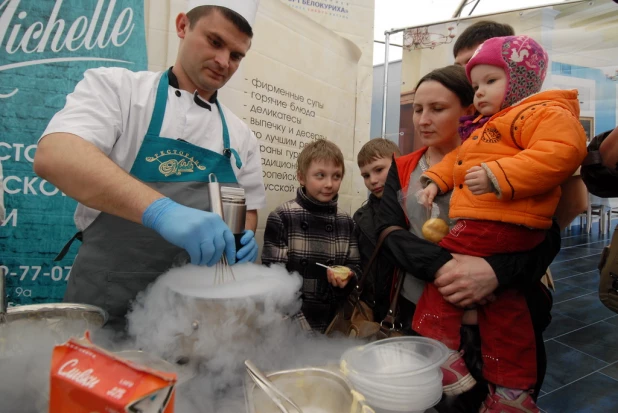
x: 474, y: 7
x: 489, y: 15
x: 386, y: 47
x: 459, y: 9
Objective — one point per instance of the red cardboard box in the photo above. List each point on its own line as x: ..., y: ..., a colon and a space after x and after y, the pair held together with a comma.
x: 86, y: 378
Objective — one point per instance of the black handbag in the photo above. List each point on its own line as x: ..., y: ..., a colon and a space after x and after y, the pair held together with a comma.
x: 355, y: 318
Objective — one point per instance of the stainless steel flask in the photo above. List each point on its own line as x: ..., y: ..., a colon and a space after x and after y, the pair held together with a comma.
x: 234, y: 211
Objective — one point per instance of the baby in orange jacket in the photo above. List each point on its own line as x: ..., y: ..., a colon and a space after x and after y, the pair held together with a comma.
x: 506, y: 180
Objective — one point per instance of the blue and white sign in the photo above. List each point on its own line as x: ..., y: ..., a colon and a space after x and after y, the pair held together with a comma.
x: 45, y: 47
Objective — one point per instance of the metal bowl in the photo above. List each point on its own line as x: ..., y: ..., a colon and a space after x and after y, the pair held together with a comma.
x: 55, y: 323
x: 93, y: 316
x: 312, y: 389
x: 28, y: 335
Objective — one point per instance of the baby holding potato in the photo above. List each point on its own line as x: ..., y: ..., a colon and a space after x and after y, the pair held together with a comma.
x: 310, y: 230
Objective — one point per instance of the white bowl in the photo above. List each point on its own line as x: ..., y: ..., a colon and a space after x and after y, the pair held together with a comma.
x: 410, y: 398
x: 403, y: 383
x: 393, y: 406
x: 432, y: 391
x: 395, y: 357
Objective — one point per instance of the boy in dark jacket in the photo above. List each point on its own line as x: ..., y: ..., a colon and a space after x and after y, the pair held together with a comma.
x: 311, y: 230
x: 374, y: 160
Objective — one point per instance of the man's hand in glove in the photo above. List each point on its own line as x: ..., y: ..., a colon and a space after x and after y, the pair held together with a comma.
x: 249, y: 250
x: 202, y: 234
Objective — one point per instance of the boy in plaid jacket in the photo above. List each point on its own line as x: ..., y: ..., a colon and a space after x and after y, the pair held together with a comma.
x: 311, y: 229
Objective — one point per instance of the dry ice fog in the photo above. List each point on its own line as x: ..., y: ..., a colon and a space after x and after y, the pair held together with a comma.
x: 182, y: 318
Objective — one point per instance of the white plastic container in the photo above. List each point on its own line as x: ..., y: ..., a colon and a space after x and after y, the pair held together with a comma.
x: 397, y: 374
x: 399, y: 357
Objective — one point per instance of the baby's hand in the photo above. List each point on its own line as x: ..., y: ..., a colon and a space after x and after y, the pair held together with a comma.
x: 428, y: 194
x: 477, y: 181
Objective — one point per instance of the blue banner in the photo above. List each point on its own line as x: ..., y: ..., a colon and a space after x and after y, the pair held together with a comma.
x: 45, y: 47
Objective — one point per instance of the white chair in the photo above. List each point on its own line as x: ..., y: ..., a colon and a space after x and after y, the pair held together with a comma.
x: 596, y: 208
x: 606, y: 206
x: 612, y: 210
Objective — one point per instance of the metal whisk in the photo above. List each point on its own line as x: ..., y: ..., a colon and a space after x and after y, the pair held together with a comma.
x: 223, y: 272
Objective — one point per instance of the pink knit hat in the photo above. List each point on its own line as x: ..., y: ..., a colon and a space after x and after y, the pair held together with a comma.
x: 523, y: 60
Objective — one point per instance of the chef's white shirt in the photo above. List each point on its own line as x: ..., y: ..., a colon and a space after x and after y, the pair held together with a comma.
x: 112, y: 107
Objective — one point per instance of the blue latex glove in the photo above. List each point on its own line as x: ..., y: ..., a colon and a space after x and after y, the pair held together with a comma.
x: 202, y: 234
x: 249, y: 250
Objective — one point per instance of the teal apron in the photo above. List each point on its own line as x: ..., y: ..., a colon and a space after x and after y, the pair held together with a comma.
x: 119, y: 258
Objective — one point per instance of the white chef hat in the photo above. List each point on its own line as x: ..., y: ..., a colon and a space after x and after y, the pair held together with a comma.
x: 246, y: 8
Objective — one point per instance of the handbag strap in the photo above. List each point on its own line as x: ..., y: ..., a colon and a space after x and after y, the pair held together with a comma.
x: 353, y: 299
x: 389, y: 320
x: 372, y: 260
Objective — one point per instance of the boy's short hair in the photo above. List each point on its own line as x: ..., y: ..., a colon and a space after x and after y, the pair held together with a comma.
x: 480, y: 31
x: 375, y: 149
x: 320, y: 150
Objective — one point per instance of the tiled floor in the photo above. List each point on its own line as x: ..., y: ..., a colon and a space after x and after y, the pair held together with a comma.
x: 582, y: 340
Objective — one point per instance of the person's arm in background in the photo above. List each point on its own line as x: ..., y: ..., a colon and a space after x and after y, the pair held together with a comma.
x: 609, y: 150
x: 597, y: 171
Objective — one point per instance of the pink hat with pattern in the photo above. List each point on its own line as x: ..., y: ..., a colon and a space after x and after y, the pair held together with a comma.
x: 523, y: 60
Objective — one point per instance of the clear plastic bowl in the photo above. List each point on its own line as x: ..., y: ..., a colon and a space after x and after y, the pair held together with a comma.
x: 389, y: 405
x: 399, y: 357
x: 404, y: 383
x: 386, y: 390
x: 396, y: 391
x: 414, y: 398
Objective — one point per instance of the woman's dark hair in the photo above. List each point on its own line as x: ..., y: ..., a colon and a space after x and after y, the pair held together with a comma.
x: 454, y: 79
x: 237, y: 20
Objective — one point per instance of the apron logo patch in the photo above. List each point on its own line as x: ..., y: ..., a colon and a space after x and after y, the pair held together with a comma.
x: 180, y: 162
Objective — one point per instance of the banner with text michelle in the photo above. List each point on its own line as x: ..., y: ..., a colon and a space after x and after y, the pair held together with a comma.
x: 45, y: 47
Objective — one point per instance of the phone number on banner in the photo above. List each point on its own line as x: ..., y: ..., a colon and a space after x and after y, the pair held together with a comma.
x: 33, y: 272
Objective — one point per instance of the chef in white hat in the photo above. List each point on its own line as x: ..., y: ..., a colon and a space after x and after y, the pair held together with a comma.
x: 136, y: 151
